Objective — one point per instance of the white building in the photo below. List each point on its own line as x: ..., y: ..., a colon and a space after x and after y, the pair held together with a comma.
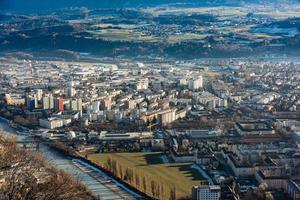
x: 142, y: 84
x: 210, y: 100
x: 39, y: 94
x: 71, y: 92
x: 51, y: 123
x: 182, y: 81
x: 76, y: 105
x: 167, y: 117
x: 96, y: 106
x: 206, y: 192
x: 195, y: 84
x: 48, y: 102
x: 104, y: 135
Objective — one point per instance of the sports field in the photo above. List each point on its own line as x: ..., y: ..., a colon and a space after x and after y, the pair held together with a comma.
x: 150, y: 166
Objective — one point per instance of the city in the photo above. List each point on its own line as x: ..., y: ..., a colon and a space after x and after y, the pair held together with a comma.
x: 153, y: 128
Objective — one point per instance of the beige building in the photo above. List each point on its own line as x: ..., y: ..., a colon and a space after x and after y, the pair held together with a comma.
x: 14, y: 100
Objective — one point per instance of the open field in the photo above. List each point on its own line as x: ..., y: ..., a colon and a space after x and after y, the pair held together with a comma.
x: 122, y: 35
x: 186, y: 37
x: 150, y: 165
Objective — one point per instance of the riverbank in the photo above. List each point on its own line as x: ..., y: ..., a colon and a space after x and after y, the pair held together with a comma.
x: 120, y: 182
x: 27, y: 175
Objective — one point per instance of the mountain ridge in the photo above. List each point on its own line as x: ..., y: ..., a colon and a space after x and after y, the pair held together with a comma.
x: 35, y: 6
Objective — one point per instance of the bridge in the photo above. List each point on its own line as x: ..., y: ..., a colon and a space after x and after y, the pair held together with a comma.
x: 29, y: 145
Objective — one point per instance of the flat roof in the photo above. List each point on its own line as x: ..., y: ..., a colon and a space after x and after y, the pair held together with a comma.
x: 254, y: 126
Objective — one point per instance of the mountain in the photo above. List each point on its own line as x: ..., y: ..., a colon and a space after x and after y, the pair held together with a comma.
x: 35, y: 6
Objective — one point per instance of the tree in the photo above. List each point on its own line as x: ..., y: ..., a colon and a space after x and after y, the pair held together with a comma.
x: 121, y: 172
x: 137, y: 181
x: 144, y: 184
x: 153, y: 188
x: 29, y: 176
x: 173, y: 194
x: 128, y: 175
x: 114, y: 168
x: 162, y: 191
x: 109, y: 163
x: 158, y: 191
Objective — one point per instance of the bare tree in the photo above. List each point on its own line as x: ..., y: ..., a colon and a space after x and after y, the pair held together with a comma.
x: 137, y: 181
x: 173, y: 194
x: 27, y: 176
x: 144, y: 184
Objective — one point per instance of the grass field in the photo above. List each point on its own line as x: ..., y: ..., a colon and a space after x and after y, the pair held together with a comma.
x: 122, y: 35
x: 150, y: 165
x: 186, y: 37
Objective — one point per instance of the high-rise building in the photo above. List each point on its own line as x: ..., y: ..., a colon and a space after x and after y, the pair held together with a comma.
x: 31, y: 102
x: 48, y: 102
x: 206, y: 192
x: 59, y: 104
x: 71, y: 92
x: 39, y: 94
x: 105, y: 104
x: 76, y: 105
x: 96, y: 106
x: 195, y: 84
x: 167, y: 117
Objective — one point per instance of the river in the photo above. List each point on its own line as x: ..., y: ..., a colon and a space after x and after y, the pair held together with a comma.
x: 95, y: 180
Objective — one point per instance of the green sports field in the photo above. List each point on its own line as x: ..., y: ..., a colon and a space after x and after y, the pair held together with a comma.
x: 150, y: 166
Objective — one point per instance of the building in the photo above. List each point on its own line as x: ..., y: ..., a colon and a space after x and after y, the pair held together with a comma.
x: 51, y: 123
x: 163, y: 117
x: 48, y: 102
x: 210, y: 100
x: 14, y: 100
x: 105, y: 104
x: 142, y: 84
x: 274, y: 178
x: 180, y: 114
x: 125, y: 136
x: 293, y: 189
x: 59, y: 104
x: 31, y: 102
x: 167, y: 117
x: 239, y: 167
x: 71, y: 92
x: 206, y: 192
x: 130, y: 104
x: 183, y: 82
x: 200, y: 134
x: 195, y: 84
x: 96, y: 106
x: 39, y: 94
x: 76, y: 105
x: 254, y: 128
